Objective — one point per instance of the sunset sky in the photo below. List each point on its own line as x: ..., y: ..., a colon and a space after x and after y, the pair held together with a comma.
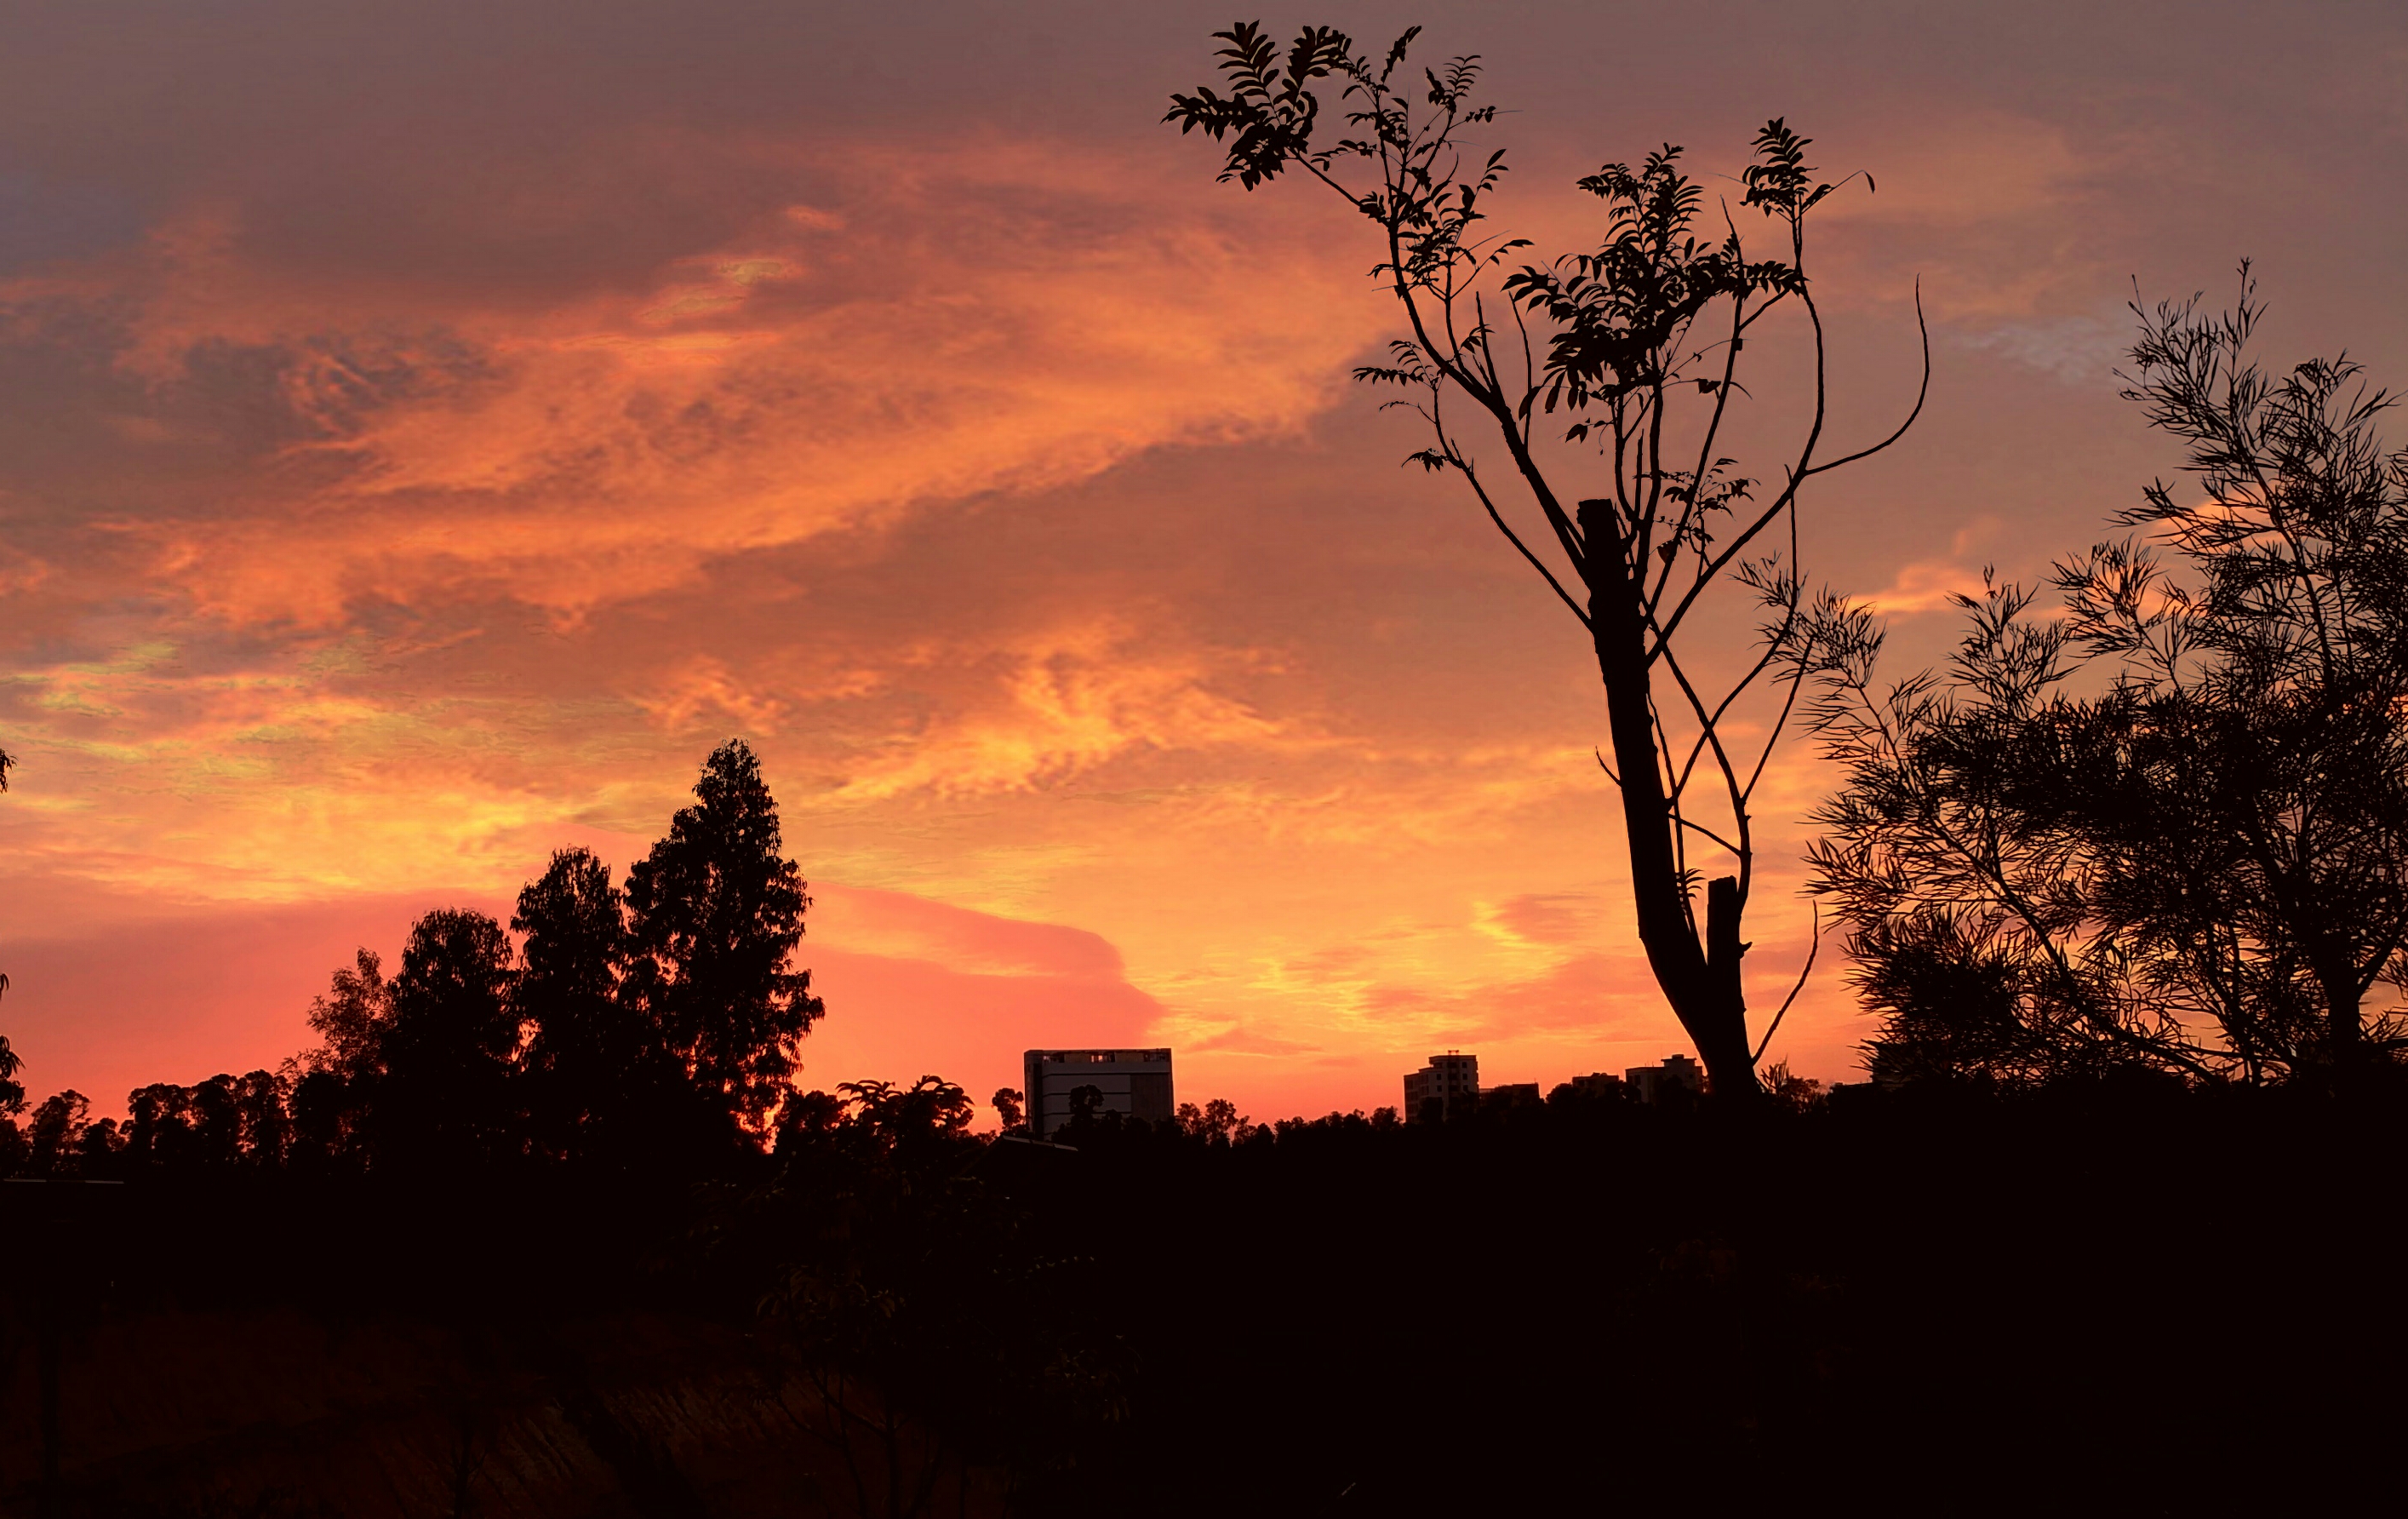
x: 430, y: 427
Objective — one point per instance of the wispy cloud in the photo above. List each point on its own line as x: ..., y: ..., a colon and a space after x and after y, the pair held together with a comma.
x: 1006, y: 318
x: 2076, y: 350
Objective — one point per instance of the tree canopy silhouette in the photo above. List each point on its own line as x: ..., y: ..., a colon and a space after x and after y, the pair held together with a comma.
x: 2168, y: 828
x: 715, y: 914
x: 1606, y: 378
x: 445, y: 1087
x: 655, y: 1027
x: 602, y: 1080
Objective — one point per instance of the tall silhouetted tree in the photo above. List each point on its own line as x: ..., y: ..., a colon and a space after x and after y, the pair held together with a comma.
x: 599, y: 1072
x: 715, y: 914
x: 1633, y: 351
x: 2203, y: 867
x: 444, y: 1088
x: 329, y: 1097
x: 348, y: 1019
x: 217, y: 1121
x: 325, y: 1121
x: 158, y: 1124
x: 56, y: 1133
x: 263, y: 1107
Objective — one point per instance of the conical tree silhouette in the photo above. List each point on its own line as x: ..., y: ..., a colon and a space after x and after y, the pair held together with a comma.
x: 715, y: 914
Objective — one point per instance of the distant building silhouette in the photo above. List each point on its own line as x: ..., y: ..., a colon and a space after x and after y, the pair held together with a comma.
x: 1649, y: 1083
x: 1134, y: 1083
x: 1447, y: 1081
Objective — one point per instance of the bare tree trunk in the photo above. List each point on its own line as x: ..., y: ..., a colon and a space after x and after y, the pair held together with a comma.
x: 1701, y: 982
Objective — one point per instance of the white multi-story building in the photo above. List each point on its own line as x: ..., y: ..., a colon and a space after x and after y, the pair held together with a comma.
x: 1650, y: 1082
x: 1133, y: 1082
x: 1451, y: 1079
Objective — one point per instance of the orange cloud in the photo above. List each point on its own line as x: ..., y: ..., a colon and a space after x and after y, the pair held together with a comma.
x: 1929, y: 585
x: 1069, y: 700
x: 1004, y: 318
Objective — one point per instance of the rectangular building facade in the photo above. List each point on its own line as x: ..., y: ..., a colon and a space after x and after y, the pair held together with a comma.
x: 1649, y: 1083
x: 1134, y: 1083
x: 1449, y: 1080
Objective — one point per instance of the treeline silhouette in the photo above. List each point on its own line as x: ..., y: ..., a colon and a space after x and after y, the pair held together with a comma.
x: 653, y: 1027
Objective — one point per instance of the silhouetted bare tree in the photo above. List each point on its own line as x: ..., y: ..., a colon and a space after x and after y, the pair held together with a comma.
x: 2200, y: 865
x: 1636, y: 346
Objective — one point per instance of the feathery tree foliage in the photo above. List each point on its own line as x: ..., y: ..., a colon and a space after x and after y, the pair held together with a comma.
x: 2169, y: 828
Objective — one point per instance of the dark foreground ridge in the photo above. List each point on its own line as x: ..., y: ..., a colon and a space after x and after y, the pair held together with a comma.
x: 1926, y: 1300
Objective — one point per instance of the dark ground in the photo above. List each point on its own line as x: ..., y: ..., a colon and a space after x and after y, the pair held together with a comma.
x: 2140, y: 1300
x: 2153, y: 1300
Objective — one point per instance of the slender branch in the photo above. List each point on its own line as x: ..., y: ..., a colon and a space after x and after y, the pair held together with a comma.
x: 1463, y: 466
x: 1799, y: 472
x: 1813, y: 946
x: 1529, y: 371
x: 1779, y: 723
x: 1700, y: 827
x: 1745, y: 850
x: 1713, y: 430
x: 1922, y: 392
